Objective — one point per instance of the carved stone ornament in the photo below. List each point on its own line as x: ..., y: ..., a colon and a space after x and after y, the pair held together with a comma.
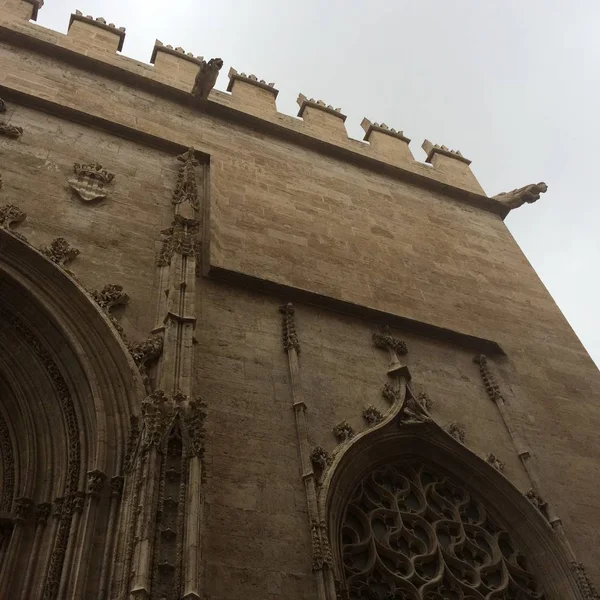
x: 2, y: 106
x: 60, y: 251
x: 155, y: 415
x: 537, y: 501
x: 11, y: 215
x: 110, y: 296
x: 491, y: 387
x: 410, y: 532
x: 343, y: 431
x: 194, y: 421
x: 493, y: 460
x: 95, y: 482
x: 206, y: 78
x: 116, y: 485
x: 384, y: 340
x: 42, y: 513
x: 23, y: 508
x: 57, y: 507
x: 181, y: 238
x: 77, y: 500
x: 146, y: 352
x: 10, y: 131
x: 525, y: 195
x: 457, y: 431
x: 372, y: 415
x: 289, y: 336
x: 186, y: 188
x: 320, y: 458
x: 389, y: 393
x: 413, y: 412
x: 91, y: 181
x: 586, y: 585
x: 425, y: 401
x: 132, y: 441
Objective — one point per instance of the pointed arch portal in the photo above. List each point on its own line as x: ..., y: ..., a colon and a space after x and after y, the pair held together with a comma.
x: 67, y: 388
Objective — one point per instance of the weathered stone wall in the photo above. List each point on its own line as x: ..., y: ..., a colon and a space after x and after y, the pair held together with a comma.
x: 290, y: 214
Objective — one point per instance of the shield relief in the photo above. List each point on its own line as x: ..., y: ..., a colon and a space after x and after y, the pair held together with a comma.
x: 91, y: 182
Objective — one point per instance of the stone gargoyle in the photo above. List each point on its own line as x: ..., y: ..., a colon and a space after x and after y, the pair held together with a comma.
x: 527, y: 194
x: 206, y: 78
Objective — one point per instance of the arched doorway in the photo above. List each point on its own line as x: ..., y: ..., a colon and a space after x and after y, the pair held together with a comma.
x: 67, y: 389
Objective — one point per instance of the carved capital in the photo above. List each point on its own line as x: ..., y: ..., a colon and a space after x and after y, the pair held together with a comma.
x: 524, y: 195
x: 42, y: 513
x: 77, y: 499
x: 343, y: 431
x: 57, y: 507
x: 10, y: 131
x: 60, y: 251
x: 289, y: 336
x: 23, y: 509
x: 95, y: 482
x: 116, y: 485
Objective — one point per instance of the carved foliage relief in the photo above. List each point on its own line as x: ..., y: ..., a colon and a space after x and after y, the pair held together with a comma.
x: 411, y: 533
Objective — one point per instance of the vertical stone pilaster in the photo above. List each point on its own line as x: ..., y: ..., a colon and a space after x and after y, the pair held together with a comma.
x: 493, y: 391
x: 322, y: 562
x: 116, y: 491
x: 157, y: 557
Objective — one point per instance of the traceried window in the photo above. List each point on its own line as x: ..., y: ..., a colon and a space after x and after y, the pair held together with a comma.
x: 411, y: 533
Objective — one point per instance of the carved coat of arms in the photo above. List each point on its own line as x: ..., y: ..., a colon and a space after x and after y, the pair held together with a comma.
x: 91, y: 182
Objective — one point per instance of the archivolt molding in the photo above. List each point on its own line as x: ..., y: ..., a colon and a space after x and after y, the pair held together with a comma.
x: 395, y: 439
x: 97, y: 385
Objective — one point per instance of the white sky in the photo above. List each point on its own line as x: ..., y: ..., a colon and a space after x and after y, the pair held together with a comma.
x: 513, y: 84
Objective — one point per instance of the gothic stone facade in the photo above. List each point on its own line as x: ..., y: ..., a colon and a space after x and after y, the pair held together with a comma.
x: 245, y: 356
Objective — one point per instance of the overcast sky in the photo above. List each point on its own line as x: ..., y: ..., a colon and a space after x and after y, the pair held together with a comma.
x: 513, y: 84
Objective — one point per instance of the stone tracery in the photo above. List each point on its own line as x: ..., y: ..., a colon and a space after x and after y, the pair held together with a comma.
x: 409, y: 532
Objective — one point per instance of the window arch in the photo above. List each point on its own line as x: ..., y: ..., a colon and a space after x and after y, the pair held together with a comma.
x: 455, y: 497
x: 411, y: 532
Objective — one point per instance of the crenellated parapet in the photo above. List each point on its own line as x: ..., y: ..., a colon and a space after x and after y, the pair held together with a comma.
x: 175, y: 63
x: 190, y: 81
x: 389, y: 144
x: 250, y: 91
x: 21, y: 9
x: 96, y: 32
x: 451, y: 162
x: 321, y: 116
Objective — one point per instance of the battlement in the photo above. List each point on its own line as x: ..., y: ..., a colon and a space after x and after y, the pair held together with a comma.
x: 172, y: 71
